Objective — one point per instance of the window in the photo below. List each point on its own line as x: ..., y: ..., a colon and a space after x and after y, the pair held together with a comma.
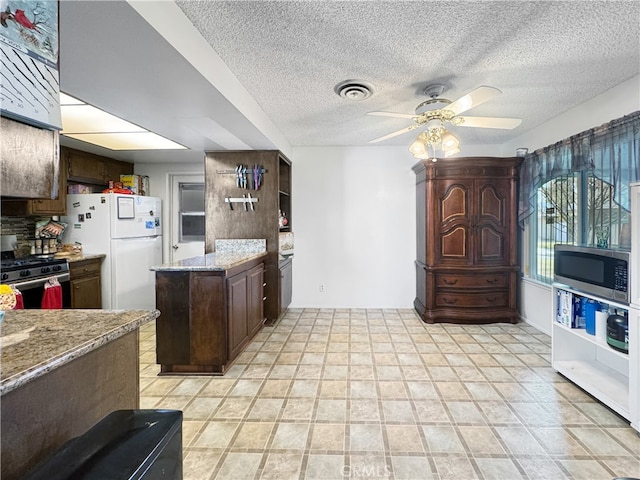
x: 191, y: 212
x: 576, y: 208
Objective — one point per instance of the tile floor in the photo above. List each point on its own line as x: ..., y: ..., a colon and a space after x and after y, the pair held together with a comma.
x: 378, y: 394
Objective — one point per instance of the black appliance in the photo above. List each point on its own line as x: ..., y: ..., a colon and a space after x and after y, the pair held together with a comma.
x: 124, y: 445
x: 600, y: 272
x: 30, y: 275
x: 618, y: 332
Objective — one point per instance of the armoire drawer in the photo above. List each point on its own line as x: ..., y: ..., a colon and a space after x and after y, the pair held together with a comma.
x: 488, y: 280
x: 492, y: 299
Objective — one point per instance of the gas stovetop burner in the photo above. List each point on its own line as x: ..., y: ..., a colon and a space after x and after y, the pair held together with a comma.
x: 22, y: 269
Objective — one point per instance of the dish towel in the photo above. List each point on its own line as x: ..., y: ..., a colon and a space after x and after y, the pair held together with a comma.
x: 52, y: 297
x: 19, y: 299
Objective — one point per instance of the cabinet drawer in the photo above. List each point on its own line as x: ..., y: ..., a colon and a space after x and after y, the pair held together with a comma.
x: 472, y: 300
x: 488, y: 280
x: 84, y: 268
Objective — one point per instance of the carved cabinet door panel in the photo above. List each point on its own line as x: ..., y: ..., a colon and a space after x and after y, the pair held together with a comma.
x: 491, y: 221
x: 453, y: 222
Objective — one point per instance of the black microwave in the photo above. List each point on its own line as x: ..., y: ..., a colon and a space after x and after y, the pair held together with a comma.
x: 600, y: 272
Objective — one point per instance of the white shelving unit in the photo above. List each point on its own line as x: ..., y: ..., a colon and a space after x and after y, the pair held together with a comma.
x: 634, y: 312
x: 590, y: 363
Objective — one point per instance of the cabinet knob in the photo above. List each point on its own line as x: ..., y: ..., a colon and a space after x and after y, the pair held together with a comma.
x: 492, y: 280
x: 264, y: 284
x: 491, y: 299
x: 450, y: 301
x: 264, y: 299
x: 450, y: 282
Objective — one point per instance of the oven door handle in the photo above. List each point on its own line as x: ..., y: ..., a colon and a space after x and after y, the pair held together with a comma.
x: 38, y: 282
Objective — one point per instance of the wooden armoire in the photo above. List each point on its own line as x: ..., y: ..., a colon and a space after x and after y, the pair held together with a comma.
x: 467, y: 261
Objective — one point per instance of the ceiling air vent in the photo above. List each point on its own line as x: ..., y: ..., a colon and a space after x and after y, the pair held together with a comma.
x: 354, y: 90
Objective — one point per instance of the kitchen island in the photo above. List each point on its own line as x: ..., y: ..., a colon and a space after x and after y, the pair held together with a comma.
x: 212, y: 305
x: 62, y: 372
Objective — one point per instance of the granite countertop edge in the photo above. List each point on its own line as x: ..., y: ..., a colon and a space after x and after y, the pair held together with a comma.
x: 209, y: 262
x: 90, y: 256
x: 138, y: 318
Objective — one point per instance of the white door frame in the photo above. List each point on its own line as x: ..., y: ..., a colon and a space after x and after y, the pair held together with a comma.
x: 174, y: 222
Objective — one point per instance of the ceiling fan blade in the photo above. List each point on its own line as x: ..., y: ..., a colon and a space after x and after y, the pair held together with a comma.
x: 392, y: 114
x: 394, y: 134
x: 490, y: 122
x: 472, y: 99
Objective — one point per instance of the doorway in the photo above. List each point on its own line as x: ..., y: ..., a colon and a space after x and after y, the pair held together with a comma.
x: 187, y: 216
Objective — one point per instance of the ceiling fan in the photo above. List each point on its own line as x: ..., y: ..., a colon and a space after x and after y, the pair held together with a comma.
x: 436, y: 112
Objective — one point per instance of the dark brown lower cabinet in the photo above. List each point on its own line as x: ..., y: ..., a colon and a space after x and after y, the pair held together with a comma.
x: 85, y: 283
x: 207, y: 317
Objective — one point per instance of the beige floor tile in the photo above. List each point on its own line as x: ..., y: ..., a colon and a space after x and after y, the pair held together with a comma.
x: 275, y: 388
x: 333, y: 389
x: 253, y: 436
x: 452, y: 391
x: 624, y: 466
x: 455, y: 468
x: 404, y: 439
x: 336, y: 372
x: 326, y: 467
x: 298, y: 409
x: 498, y: 469
x: 199, y: 464
x: 411, y: 468
x: 328, y: 437
x: 398, y: 411
x: 364, y: 410
x: 201, y: 408
x: 481, y: 440
x: 362, y: 389
x: 290, y: 436
x: 239, y: 466
x: 585, y: 469
x: 233, y: 408
x: 216, y: 434
x: 432, y: 411
x: 365, y: 437
x: 442, y: 439
x: 557, y: 441
x: 465, y: 413
x: 392, y: 390
x: 331, y: 410
x: 266, y: 409
x: 304, y: 388
x: 245, y: 388
x: 282, y: 466
x: 542, y: 469
x: 519, y: 440
x: 598, y: 442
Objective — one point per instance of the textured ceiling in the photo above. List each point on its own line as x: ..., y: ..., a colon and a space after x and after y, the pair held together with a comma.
x: 546, y: 57
x: 265, y: 73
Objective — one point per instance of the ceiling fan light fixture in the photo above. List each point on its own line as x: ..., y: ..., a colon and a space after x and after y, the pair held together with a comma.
x: 419, y: 147
x: 449, y: 141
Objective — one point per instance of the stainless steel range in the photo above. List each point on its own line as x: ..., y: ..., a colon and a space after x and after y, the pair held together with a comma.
x: 31, y: 274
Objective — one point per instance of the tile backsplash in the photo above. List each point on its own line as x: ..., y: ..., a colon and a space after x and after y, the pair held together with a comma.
x: 23, y: 228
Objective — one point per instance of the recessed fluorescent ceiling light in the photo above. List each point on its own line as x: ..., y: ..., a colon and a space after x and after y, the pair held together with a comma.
x: 89, y: 124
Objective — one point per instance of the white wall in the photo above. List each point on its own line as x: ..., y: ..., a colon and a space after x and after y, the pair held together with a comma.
x: 354, y: 225
x: 159, y: 186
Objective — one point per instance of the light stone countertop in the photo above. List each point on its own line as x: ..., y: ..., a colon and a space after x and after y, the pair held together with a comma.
x: 209, y: 262
x: 89, y: 256
x: 34, y: 342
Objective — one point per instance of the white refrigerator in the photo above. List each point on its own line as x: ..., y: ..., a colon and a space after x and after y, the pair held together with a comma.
x: 128, y: 230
